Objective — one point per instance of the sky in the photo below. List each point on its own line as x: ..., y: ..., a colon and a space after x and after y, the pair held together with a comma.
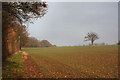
x: 67, y: 23
x: 81, y: 0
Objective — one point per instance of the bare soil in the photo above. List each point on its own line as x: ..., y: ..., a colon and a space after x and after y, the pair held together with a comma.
x: 31, y: 69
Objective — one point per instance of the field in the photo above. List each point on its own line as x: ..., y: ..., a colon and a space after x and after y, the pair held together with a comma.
x: 76, y: 62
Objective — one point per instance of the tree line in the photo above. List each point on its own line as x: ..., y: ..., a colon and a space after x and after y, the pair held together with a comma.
x: 14, y: 16
x: 33, y: 42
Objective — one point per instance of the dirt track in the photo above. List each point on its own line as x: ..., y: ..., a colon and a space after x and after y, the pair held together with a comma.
x: 31, y: 69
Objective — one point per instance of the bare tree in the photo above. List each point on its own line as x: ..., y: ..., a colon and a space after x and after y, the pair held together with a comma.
x: 91, y: 36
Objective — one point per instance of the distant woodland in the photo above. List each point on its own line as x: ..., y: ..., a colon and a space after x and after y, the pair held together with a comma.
x: 33, y: 42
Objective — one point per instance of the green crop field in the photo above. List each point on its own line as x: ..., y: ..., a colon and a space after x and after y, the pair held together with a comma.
x: 76, y: 62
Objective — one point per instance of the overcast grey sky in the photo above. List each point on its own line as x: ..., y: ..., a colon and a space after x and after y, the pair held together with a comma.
x: 67, y: 23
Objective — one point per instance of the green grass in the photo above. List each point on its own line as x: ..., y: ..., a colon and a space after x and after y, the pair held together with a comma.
x: 77, y: 62
x: 13, y: 67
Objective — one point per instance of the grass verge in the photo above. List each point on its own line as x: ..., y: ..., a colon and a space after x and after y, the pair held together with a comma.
x: 13, y: 67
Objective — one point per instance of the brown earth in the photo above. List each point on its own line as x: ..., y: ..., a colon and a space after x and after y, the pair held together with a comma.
x: 31, y: 70
x: 25, y: 55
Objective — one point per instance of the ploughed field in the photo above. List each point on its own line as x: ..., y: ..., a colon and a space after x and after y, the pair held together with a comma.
x: 76, y: 62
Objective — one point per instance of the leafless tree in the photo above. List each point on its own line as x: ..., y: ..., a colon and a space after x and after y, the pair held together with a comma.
x: 91, y: 36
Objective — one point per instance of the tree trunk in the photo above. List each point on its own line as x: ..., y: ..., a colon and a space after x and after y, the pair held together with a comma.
x: 5, y: 51
x: 92, y: 42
